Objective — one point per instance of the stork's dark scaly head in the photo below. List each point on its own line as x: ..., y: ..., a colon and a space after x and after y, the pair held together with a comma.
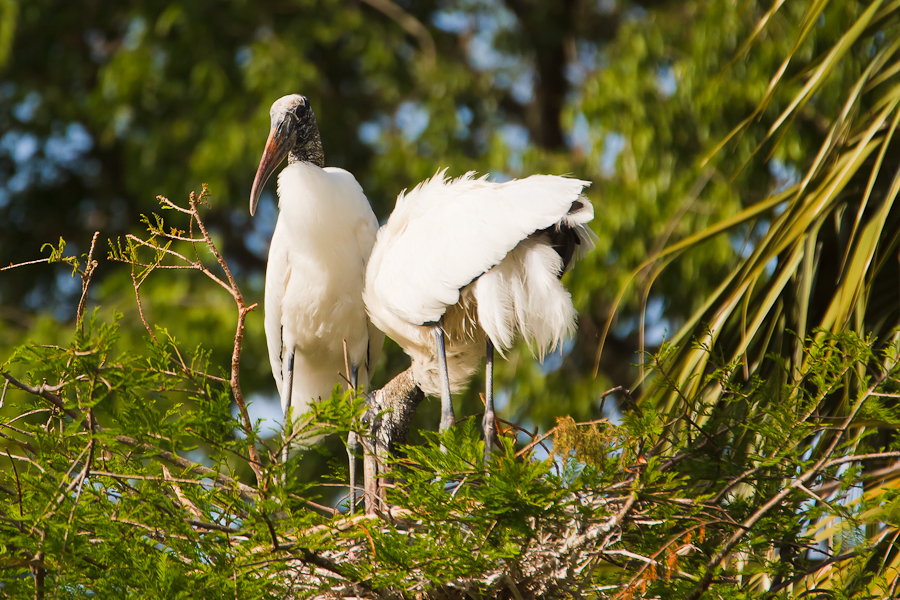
x: 293, y: 134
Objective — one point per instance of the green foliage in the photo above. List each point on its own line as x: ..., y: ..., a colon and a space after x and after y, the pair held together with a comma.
x: 744, y: 165
x: 107, y: 495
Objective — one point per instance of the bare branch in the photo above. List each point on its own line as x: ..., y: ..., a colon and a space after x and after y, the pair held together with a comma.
x: 195, y: 202
x: 86, y: 282
x: 182, y: 499
x: 169, y: 204
x: 245, y: 490
x: 255, y: 459
x: 137, y: 296
x: 82, y: 476
x: 18, y: 484
x: 43, y: 392
x: 22, y: 264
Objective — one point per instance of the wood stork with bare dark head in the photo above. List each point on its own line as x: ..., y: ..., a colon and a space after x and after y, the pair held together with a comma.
x: 316, y: 269
x: 463, y: 265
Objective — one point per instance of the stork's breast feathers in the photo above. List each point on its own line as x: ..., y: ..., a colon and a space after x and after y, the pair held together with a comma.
x: 446, y: 233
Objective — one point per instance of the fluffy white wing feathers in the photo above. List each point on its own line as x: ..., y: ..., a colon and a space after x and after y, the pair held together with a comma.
x: 453, y: 231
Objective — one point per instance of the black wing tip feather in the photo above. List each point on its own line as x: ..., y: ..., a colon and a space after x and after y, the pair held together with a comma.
x: 564, y: 238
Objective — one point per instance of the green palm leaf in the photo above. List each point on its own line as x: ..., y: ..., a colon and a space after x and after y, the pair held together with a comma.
x: 826, y: 265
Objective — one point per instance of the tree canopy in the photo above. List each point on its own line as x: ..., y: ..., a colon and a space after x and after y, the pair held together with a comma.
x: 741, y: 304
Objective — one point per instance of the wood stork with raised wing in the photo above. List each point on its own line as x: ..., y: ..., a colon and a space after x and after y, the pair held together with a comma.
x: 462, y: 265
x: 316, y: 269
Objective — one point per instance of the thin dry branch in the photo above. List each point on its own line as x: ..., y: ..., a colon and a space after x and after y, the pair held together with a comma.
x: 86, y: 282
x: 183, y: 500
x: 18, y: 483
x: 256, y: 461
x: 137, y: 297
x: 231, y: 286
x: 22, y: 264
x: 195, y: 202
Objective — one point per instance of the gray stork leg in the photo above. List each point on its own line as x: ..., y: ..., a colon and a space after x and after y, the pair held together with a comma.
x: 447, y: 419
x: 488, y: 423
x: 287, y: 388
x: 353, y: 443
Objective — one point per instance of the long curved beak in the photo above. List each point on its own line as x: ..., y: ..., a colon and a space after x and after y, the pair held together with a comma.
x: 276, y: 149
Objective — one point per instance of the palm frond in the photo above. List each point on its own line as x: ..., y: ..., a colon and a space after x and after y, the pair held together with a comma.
x: 827, y: 264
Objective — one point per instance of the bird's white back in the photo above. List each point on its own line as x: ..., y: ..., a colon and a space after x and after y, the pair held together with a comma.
x: 449, y: 232
x: 469, y: 250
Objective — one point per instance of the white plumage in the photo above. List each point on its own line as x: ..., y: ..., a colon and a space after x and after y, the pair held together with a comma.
x: 475, y: 260
x: 314, y: 282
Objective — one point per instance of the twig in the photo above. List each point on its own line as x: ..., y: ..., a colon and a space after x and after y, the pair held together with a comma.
x: 27, y: 460
x: 154, y: 532
x: 22, y: 264
x: 190, y: 265
x: 816, y: 497
x: 18, y: 484
x: 272, y: 533
x: 43, y: 392
x: 127, y: 476
x: 22, y: 443
x: 818, y: 566
x: 255, y: 459
x: 245, y: 490
x: 371, y: 541
x: 137, y: 297
x: 195, y: 201
x: 179, y: 495
x: 9, y: 426
x: 38, y: 570
x: 191, y: 372
x: 62, y: 495
x: 231, y: 286
x: 212, y: 526
x: 487, y: 536
x: 169, y: 204
x: 81, y: 477
x: 858, y: 457
x: 884, y: 475
x: 633, y: 581
x: 153, y: 246
x: 85, y: 284
x: 630, y: 554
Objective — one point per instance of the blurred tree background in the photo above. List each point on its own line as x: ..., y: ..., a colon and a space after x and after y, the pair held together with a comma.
x: 745, y: 170
x: 104, y: 105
